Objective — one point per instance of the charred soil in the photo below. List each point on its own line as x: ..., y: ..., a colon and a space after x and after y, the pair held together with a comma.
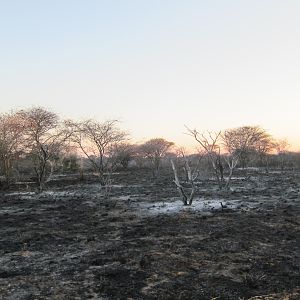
x: 77, y: 240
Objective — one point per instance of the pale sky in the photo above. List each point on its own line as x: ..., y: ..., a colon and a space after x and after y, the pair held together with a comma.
x: 156, y: 65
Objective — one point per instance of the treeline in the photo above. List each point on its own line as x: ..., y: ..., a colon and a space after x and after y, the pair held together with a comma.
x: 36, y: 143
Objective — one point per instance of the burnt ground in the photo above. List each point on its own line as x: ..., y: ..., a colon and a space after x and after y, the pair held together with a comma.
x: 70, y: 242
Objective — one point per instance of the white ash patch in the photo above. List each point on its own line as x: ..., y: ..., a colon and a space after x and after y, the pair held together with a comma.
x: 57, y: 193
x: 176, y: 206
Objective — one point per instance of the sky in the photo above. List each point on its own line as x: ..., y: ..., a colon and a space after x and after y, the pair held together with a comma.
x: 156, y: 65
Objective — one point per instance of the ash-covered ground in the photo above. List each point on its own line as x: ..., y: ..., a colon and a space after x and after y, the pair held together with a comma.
x: 73, y: 242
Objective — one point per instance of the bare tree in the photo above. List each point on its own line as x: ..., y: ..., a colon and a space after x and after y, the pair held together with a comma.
x: 187, y: 193
x: 282, y: 147
x: 232, y: 157
x: 97, y: 141
x: 46, y: 138
x: 193, y: 161
x: 154, y: 150
x: 246, y: 140
x: 210, y: 144
x: 123, y: 153
x: 264, y: 147
x: 242, y: 141
x: 11, y: 142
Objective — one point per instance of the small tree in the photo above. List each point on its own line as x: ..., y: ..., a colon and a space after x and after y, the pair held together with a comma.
x: 154, y: 150
x: 46, y: 138
x: 193, y: 161
x: 187, y: 193
x: 123, y: 153
x: 243, y: 141
x: 232, y: 157
x: 263, y: 148
x: 282, y: 147
x: 210, y: 144
x: 97, y: 141
x: 11, y: 142
x: 240, y: 142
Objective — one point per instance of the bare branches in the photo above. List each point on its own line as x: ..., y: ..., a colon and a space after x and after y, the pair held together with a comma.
x: 209, y: 143
x: 46, y: 138
x: 154, y: 150
x: 187, y: 199
x: 243, y: 141
x: 178, y: 184
x: 11, y: 142
x: 232, y: 147
x: 97, y: 141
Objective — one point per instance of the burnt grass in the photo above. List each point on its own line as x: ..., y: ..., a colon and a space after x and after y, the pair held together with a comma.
x: 71, y: 242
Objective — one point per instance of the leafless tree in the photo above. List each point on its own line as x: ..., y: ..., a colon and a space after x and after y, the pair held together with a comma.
x: 154, y: 150
x: 231, y: 156
x: 123, y: 153
x: 46, y: 138
x: 210, y: 144
x: 264, y: 147
x: 187, y: 193
x: 193, y: 161
x: 11, y: 142
x: 244, y: 141
x: 97, y: 141
x: 282, y: 147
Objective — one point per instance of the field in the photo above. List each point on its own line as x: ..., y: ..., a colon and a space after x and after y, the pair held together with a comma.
x: 137, y: 241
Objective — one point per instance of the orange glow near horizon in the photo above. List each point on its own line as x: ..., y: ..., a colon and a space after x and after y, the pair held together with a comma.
x: 156, y: 65
x: 191, y: 146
